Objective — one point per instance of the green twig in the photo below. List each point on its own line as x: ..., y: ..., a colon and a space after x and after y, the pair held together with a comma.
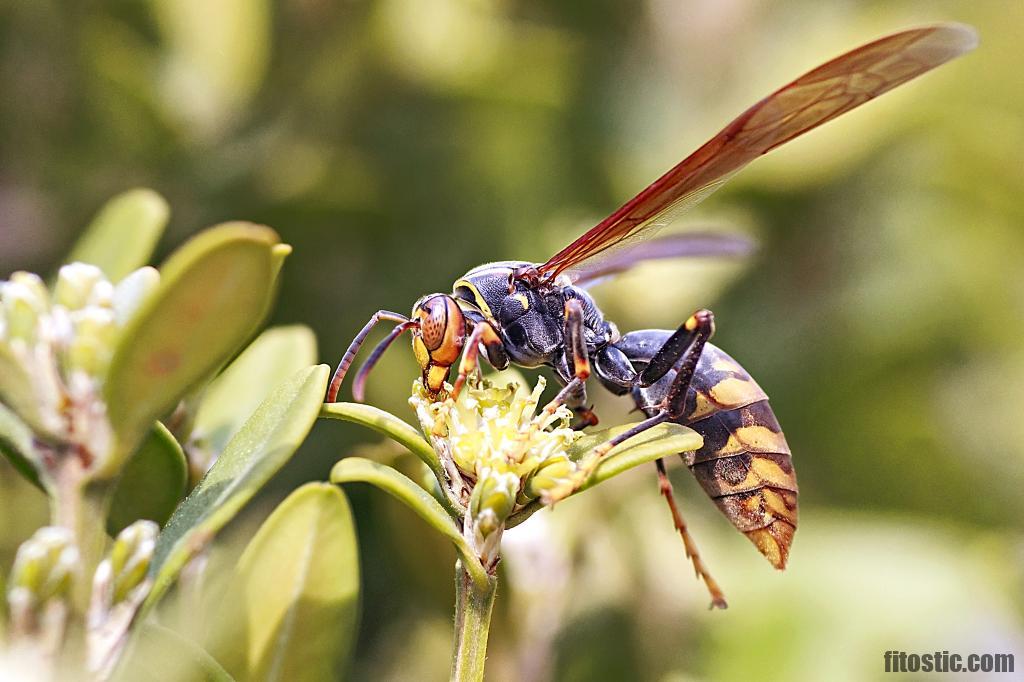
x: 473, y: 605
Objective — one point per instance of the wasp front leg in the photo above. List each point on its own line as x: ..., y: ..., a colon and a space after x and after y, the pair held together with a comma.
x: 483, y: 333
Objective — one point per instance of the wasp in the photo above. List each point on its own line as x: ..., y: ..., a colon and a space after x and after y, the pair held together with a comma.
x: 540, y: 314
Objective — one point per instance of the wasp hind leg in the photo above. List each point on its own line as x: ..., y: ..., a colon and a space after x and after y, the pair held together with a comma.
x: 692, y: 553
x: 681, y: 351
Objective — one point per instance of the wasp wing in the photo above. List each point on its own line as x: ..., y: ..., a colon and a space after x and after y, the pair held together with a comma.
x: 818, y: 96
x: 684, y: 245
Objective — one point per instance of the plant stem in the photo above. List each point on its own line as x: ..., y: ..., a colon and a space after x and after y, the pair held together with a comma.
x: 80, y: 507
x: 473, y: 605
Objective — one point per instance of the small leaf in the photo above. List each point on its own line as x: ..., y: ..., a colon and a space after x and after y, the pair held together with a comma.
x: 388, y: 425
x: 158, y: 654
x: 663, y: 440
x: 152, y: 482
x: 123, y: 234
x: 298, y: 589
x: 213, y: 292
x: 16, y: 444
x: 263, y: 444
x: 360, y: 470
x: 275, y: 355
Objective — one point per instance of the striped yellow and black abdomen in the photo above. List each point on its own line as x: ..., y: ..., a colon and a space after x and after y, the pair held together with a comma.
x: 745, y: 465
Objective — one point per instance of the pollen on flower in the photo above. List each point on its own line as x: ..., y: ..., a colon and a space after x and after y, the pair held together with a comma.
x: 501, y: 449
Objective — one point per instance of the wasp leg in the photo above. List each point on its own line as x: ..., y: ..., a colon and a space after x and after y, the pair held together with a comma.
x: 717, y: 596
x: 700, y: 324
x: 353, y: 348
x: 577, y: 364
x: 359, y: 383
x: 483, y: 333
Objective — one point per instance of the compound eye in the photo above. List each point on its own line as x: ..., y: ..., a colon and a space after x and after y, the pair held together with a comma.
x: 433, y: 315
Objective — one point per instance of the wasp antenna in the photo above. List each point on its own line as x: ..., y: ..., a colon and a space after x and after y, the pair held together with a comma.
x: 364, y: 371
x: 353, y: 348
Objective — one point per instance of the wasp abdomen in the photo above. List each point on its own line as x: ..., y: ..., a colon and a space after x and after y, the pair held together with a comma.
x: 745, y: 465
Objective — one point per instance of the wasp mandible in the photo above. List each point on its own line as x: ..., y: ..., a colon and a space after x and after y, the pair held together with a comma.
x: 540, y: 314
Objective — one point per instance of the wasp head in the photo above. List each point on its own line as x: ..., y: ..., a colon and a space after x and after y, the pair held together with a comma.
x: 438, y: 339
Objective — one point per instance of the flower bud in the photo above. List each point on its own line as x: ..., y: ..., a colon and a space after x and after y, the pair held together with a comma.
x: 118, y: 588
x: 551, y: 474
x: 131, y: 291
x: 75, y: 283
x: 44, y: 572
x: 493, y: 499
x: 92, y: 342
x: 25, y: 300
x: 129, y: 558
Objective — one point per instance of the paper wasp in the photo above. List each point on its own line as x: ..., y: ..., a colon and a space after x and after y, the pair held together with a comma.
x: 536, y: 315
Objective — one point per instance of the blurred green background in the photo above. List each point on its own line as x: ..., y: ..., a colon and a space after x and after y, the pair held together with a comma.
x: 395, y: 144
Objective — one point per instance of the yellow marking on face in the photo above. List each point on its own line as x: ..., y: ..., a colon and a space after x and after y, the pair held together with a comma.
x: 478, y: 299
x: 733, y: 392
x: 435, y: 377
x: 419, y: 349
x: 523, y: 301
x: 769, y: 471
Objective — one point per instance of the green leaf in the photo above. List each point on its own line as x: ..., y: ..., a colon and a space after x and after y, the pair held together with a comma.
x: 152, y: 482
x: 264, y: 443
x: 388, y: 425
x: 360, y: 470
x: 213, y: 292
x: 158, y: 654
x: 298, y: 589
x: 16, y: 444
x: 663, y: 440
x: 122, y: 236
x: 275, y: 355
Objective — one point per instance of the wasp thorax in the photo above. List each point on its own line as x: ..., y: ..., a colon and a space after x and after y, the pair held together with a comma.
x: 439, y: 337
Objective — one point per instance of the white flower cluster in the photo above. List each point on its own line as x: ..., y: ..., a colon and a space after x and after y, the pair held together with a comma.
x: 499, y: 452
x: 55, y: 349
x: 47, y: 569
